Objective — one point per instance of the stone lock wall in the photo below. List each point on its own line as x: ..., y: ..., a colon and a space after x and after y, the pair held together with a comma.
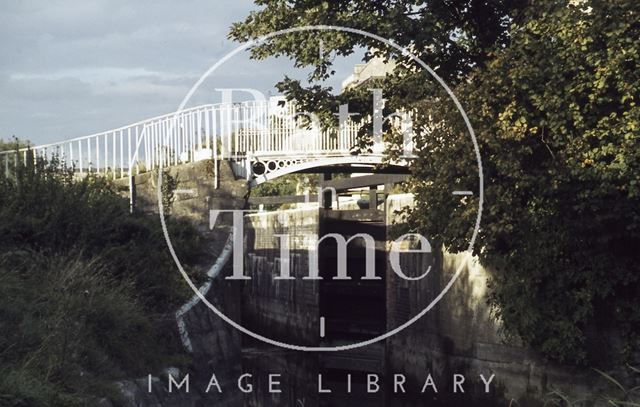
x: 285, y: 310
x: 196, y: 192
x: 460, y: 335
x: 215, y: 346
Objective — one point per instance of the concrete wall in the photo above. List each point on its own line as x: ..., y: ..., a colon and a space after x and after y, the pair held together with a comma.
x: 459, y: 335
x: 215, y: 345
x: 196, y: 192
x: 285, y: 310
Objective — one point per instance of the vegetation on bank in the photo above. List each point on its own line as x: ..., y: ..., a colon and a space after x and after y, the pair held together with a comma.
x: 87, y: 290
x: 551, y: 89
x: 610, y: 391
x: 558, y: 125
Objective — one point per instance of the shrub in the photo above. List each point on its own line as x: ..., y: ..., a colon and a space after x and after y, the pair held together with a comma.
x: 88, y: 289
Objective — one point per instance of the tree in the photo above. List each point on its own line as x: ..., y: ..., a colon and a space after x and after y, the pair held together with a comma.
x: 452, y: 36
x: 557, y: 119
x: 551, y: 91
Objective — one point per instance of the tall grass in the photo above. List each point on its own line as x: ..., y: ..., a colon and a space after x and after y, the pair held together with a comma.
x: 611, y: 392
x: 87, y: 290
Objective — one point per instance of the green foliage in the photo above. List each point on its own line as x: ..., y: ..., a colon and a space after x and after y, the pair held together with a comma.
x: 48, y: 210
x: 292, y: 184
x: 169, y: 185
x: 281, y: 186
x: 613, y: 393
x: 88, y: 290
x: 66, y: 325
x: 13, y: 144
x: 551, y: 90
x: 450, y: 36
x: 557, y: 122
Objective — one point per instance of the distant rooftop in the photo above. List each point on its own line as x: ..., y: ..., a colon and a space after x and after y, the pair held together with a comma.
x: 375, y: 68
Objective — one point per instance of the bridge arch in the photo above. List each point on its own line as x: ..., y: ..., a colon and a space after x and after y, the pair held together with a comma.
x: 366, y: 161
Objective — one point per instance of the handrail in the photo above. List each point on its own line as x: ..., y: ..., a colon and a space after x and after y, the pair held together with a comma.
x: 140, y: 122
x: 240, y: 132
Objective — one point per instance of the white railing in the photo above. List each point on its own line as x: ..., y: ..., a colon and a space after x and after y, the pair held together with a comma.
x: 171, y: 139
x: 284, y: 134
x: 222, y: 131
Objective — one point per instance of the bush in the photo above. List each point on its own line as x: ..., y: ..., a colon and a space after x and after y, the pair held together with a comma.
x: 48, y: 210
x: 88, y: 290
x: 557, y: 123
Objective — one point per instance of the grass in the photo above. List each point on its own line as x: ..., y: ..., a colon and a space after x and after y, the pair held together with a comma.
x: 612, y: 393
x: 87, y: 290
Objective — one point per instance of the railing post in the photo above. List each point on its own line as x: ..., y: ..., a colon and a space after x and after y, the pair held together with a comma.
x: 223, y: 143
x: 80, y: 157
x: 152, y: 149
x: 161, y: 146
x: 115, y: 164
x: 145, y: 141
x: 247, y: 167
x: 106, y: 153
x: 62, y: 159
x: 166, y: 144
x: 183, y: 125
x: 154, y: 146
x: 236, y: 132
x: 214, y: 133
x: 175, y: 139
x: 192, y: 135
x: 207, y: 130
x: 199, y: 124
x: 136, y: 152
x: 215, y: 166
x: 130, y: 156
x: 121, y: 155
x: 229, y: 131
x: 157, y: 143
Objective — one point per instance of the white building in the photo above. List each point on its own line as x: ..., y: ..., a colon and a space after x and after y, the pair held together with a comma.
x: 375, y: 68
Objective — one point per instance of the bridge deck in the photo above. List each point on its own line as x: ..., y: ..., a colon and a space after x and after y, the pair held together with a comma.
x: 262, y: 139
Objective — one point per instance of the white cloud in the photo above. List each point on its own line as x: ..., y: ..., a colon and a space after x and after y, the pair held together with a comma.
x: 75, y: 67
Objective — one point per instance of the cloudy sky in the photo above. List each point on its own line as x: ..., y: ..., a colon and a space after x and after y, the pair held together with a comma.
x: 72, y: 68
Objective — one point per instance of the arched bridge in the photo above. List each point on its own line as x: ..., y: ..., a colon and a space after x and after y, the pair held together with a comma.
x: 262, y: 139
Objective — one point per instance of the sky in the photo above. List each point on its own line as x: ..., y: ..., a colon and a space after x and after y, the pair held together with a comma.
x: 73, y: 68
